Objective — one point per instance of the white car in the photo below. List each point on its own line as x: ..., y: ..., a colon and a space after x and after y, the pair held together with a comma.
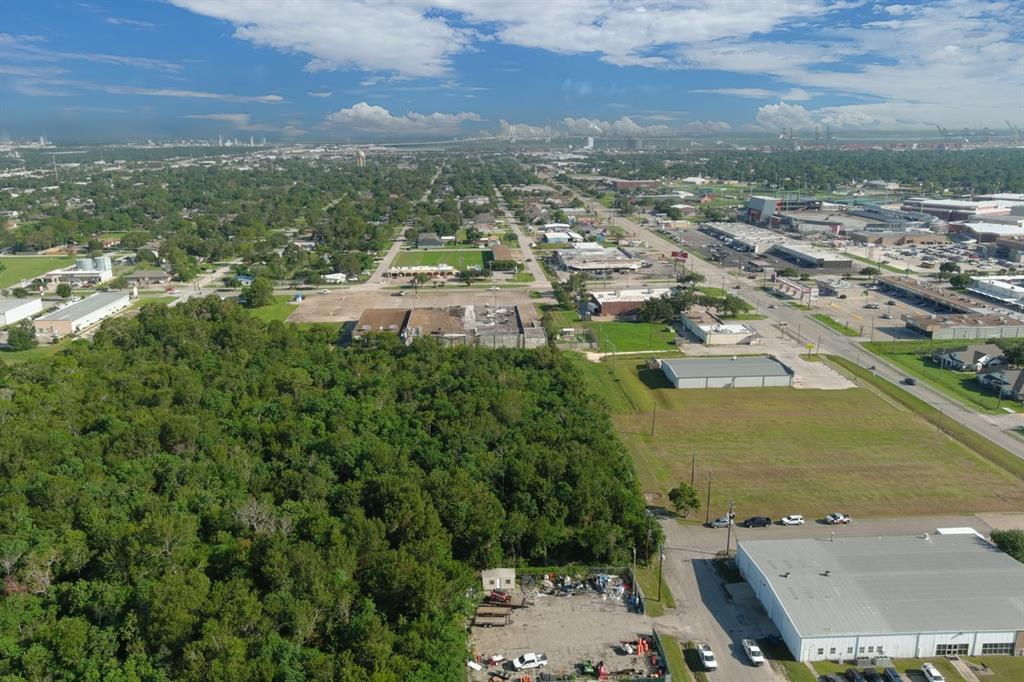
x: 753, y: 652
x: 836, y: 517
x: 707, y: 657
x: 530, y: 661
x: 792, y: 520
x: 932, y: 673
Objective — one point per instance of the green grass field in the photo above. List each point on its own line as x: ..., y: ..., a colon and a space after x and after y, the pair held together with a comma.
x: 458, y: 259
x: 280, y: 310
x: 648, y: 578
x: 780, y: 451
x: 1004, y: 668
x: 963, y: 387
x: 618, y: 337
x: 832, y: 323
x: 17, y: 268
x: 674, y: 659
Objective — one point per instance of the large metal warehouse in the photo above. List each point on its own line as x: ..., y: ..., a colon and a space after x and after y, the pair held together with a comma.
x: 735, y: 372
x: 16, y: 309
x: 902, y: 596
x: 82, y: 314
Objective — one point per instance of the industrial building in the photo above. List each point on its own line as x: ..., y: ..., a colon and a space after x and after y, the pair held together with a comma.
x: 84, y: 272
x: 954, y: 209
x: 711, y: 331
x: 624, y: 302
x: 16, y: 309
x: 985, y: 232
x: 897, y: 237
x: 735, y: 372
x: 967, y: 327
x: 906, y: 597
x: 81, y: 314
x: 491, y: 326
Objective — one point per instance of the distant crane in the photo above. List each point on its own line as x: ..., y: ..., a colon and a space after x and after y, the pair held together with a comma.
x: 1016, y: 132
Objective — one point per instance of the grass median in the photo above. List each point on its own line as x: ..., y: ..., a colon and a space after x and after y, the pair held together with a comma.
x: 834, y: 324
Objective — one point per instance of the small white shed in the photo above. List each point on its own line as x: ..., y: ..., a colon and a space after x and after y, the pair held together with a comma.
x: 498, y: 578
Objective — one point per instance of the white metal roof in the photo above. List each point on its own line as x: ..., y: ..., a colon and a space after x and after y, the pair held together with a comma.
x: 896, y: 584
x: 84, y: 307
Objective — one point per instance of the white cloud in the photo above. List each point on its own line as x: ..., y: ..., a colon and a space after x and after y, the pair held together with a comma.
x: 320, y: 94
x: 782, y: 116
x: 792, y: 95
x: 30, y: 48
x: 941, y: 58
x: 187, y: 94
x: 374, y: 119
x: 342, y: 34
x: 624, y: 127
x: 130, y: 23
x: 523, y: 131
x: 706, y: 127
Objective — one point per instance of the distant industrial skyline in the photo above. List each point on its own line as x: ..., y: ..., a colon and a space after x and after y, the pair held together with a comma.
x: 353, y: 69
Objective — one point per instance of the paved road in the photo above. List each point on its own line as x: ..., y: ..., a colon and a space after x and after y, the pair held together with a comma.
x: 994, y: 428
x: 540, y: 280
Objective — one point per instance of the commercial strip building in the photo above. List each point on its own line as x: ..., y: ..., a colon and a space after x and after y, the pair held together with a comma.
x: 804, y: 292
x: 439, y: 270
x: 626, y: 302
x: 492, y: 326
x: 897, y: 237
x: 941, y: 298
x: 967, y: 327
x: 81, y: 314
x: 16, y: 309
x: 1006, y: 290
x: 726, y: 372
x: 743, y: 237
x: 916, y: 596
x: 811, y: 257
x: 596, y: 260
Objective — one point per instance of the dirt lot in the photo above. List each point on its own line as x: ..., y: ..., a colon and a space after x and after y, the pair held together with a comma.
x: 342, y: 306
x: 568, y: 630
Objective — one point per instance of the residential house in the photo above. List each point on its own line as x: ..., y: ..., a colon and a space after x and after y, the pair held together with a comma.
x: 968, y: 358
x: 1008, y: 382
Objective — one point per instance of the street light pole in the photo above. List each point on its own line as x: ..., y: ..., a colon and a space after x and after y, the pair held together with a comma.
x: 661, y: 560
x: 693, y: 465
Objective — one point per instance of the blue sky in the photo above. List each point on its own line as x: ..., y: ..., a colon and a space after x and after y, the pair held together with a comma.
x: 356, y: 69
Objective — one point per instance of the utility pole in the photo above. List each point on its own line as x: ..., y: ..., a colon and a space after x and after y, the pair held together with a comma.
x: 728, y: 534
x: 654, y: 413
x: 707, y: 507
x: 693, y: 465
x: 661, y: 560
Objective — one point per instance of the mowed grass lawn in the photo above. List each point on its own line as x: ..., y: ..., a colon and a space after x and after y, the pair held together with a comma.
x: 281, y: 309
x: 961, y: 386
x: 17, y: 268
x: 619, y: 337
x: 780, y: 451
x: 458, y: 259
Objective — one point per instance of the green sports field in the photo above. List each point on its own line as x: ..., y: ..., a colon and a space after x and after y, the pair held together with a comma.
x: 780, y: 451
x: 457, y: 258
x: 17, y: 268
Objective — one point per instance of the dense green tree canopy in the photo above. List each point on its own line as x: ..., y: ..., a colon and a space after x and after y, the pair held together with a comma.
x: 198, y: 496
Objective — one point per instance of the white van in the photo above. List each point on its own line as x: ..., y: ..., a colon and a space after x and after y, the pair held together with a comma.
x: 932, y: 673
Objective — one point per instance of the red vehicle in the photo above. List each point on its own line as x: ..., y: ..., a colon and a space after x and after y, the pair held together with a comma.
x: 498, y: 597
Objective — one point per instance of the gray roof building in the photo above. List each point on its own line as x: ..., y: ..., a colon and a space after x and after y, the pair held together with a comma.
x: 729, y: 372
x: 904, y: 596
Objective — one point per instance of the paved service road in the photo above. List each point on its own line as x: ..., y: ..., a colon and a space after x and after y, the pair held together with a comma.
x: 992, y: 427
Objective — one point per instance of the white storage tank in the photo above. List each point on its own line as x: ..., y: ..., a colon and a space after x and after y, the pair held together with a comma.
x: 83, y: 264
x: 103, y: 263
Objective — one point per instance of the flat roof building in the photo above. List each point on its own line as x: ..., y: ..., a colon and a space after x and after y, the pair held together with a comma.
x: 428, y: 240
x: 380, y: 320
x: 594, y: 260
x: 479, y: 325
x: 940, y: 297
x: 625, y: 302
x: 735, y: 372
x: 968, y: 327
x: 16, y: 309
x: 712, y: 331
x: 811, y: 256
x: 1007, y: 290
x: 902, y: 596
x: 81, y: 314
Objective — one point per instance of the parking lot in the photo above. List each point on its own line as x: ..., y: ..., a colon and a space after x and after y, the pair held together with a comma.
x: 586, y: 626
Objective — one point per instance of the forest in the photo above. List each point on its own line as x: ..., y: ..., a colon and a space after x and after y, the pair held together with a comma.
x: 195, y: 495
